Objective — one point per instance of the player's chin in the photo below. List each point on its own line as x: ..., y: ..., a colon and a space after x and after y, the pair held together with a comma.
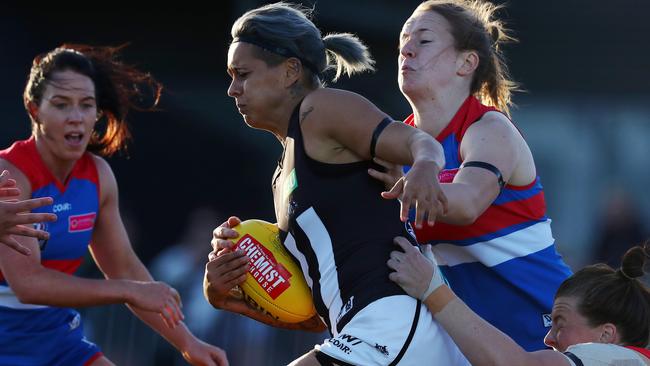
x: 406, y: 87
x: 249, y: 120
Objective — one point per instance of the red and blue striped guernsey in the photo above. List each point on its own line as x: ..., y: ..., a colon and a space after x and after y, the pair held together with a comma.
x: 37, y: 334
x: 504, y: 265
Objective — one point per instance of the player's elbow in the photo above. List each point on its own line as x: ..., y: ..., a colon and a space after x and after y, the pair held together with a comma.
x: 466, y: 216
x: 26, y: 286
x: 462, y: 215
x: 467, y: 207
x: 25, y: 293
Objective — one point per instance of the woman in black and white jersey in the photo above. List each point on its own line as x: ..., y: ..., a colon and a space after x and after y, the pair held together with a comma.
x: 331, y: 213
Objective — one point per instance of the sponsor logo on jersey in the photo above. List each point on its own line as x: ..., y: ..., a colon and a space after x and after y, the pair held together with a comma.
x: 344, y: 342
x: 345, y: 309
x: 547, y: 320
x: 61, y: 207
x: 83, y: 222
x: 270, y: 275
x: 447, y: 175
x: 382, y: 349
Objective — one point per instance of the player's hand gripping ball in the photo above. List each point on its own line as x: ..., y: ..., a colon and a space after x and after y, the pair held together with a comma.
x: 274, y: 283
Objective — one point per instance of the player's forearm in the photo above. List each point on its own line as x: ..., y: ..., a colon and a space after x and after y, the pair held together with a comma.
x: 424, y: 148
x: 464, y: 206
x: 479, y: 341
x: 179, y: 336
x: 240, y: 306
x: 44, y: 286
x: 313, y: 324
x: 129, y: 268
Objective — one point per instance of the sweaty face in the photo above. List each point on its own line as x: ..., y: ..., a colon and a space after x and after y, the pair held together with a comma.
x: 569, y: 327
x: 427, y: 58
x: 66, y: 115
x: 255, y: 86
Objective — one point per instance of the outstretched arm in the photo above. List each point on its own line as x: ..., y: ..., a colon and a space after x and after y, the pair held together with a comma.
x: 115, y: 257
x: 34, y: 284
x: 480, y: 342
x: 493, y: 140
x: 340, y: 128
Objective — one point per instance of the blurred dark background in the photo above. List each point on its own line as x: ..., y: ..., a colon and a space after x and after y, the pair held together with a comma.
x: 585, y: 66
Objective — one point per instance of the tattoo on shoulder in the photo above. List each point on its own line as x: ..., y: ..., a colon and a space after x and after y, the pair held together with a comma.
x: 304, y: 114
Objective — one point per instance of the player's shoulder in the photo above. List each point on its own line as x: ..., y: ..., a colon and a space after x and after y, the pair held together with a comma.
x: 334, y: 101
x: 331, y: 109
x: 7, y: 165
x: 494, y: 119
x: 596, y: 353
x: 331, y: 94
x: 100, y: 163
x: 20, y: 161
x: 105, y: 175
x: 493, y: 124
x: 22, y: 181
x: 20, y: 158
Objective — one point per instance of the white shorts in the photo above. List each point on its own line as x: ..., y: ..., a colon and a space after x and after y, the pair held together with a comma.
x: 386, y: 332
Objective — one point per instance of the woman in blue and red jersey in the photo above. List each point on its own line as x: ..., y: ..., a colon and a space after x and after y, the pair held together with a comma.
x: 494, y: 243
x: 71, y: 90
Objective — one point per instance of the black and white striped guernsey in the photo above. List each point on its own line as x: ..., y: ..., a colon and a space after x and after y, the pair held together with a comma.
x: 335, y: 223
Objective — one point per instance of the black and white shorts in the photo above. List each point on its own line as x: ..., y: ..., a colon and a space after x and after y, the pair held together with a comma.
x: 391, y: 331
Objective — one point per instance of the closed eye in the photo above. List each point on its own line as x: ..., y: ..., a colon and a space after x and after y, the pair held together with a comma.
x: 236, y: 73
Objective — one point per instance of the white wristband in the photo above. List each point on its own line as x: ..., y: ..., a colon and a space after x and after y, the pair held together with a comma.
x: 437, y: 279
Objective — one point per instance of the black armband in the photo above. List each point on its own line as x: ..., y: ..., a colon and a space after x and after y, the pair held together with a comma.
x: 487, y: 166
x: 375, y: 134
